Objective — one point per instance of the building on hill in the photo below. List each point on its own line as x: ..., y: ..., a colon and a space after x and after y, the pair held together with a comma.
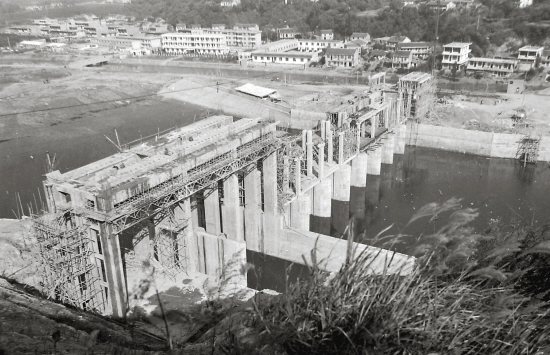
x: 180, y: 27
x: 420, y: 50
x: 239, y: 36
x: 194, y: 41
x: 443, y: 6
x: 287, y: 33
x: 393, y: 41
x: 455, y: 53
x: 529, y: 54
x: 327, y: 34
x: 524, y: 3
x: 381, y: 40
x: 361, y: 36
x: 317, y: 45
x: 545, y: 58
x: 358, y: 43
x: 246, y: 26
x: 341, y: 57
x: 401, y: 59
x: 377, y: 54
x: 289, y: 57
x: 493, y: 66
x: 280, y: 46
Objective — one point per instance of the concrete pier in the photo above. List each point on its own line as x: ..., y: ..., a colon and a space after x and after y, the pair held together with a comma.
x: 374, y: 161
x: 341, y: 183
x: 359, y: 167
x: 387, y: 149
x: 300, y: 209
x: 253, y: 209
x: 212, y: 210
x: 232, y: 215
x: 400, y: 139
x: 322, y: 194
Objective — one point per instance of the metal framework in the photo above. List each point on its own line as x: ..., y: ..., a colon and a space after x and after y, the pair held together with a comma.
x: 528, y: 150
x: 151, y: 202
x: 417, y: 95
x: 69, y: 273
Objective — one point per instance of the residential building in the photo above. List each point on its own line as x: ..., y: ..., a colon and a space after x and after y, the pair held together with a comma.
x: 194, y: 41
x: 327, y: 34
x: 463, y: 3
x: 529, y: 54
x: 380, y: 40
x: 442, y: 6
x: 280, y: 46
x: 420, y: 50
x: 287, y: 33
x: 455, y: 53
x: 238, y: 36
x: 358, y: 43
x: 393, y: 41
x: 493, y: 66
x: 377, y: 54
x: 341, y: 57
x: 180, y: 27
x: 401, y: 59
x: 360, y: 35
x: 246, y: 26
x: 230, y: 3
x: 20, y: 30
x: 290, y: 57
x: 317, y: 45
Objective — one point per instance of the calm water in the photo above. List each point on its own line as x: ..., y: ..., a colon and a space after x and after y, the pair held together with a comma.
x: 497, y: 188
x: 79, y: 142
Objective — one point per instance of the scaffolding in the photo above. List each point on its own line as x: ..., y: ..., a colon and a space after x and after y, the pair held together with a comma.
x: 416, y: 92
x: 67, y: 264
x: 528, y: 150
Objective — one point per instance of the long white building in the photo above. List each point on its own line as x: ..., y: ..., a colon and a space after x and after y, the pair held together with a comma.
x: 239, y: 37
x: 194, y: 41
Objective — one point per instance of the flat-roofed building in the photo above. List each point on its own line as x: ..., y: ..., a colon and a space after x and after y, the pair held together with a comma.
x: 401, y: 59
x: 317, y: 45
x: 393, y: 41
x: 493, y: 66
x: 420, y: 50
x: 194, y: 41
x: 360, y: 35
x: 341, y: 57
x: 287, y: 33
x: 280, y: 46
x: 290, y: 57
x: 327, y: 34
x: 20, y: 30
x: 238, y: 37
x: 455, y: 53
x: 529, y: 54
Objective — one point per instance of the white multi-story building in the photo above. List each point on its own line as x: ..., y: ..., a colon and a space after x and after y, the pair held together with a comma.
x: 327, y: 34
x: 529, y: 54
x: 455, y: 53
x: 493, y: 66
x: 420, y: 50
x: 194, y: 41
x: 290, y: 57
x: 238, y: 37
x: 317, y: 45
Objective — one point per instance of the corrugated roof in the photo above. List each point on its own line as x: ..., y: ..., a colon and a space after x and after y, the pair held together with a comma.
x: 254, y: 90
x: 340, y: 51
x: 402, y: 54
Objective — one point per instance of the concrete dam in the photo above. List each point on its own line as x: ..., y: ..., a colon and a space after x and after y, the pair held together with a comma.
x: 194, y: 199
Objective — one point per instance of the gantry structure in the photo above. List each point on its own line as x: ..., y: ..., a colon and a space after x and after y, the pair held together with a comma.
x: 416, y: 93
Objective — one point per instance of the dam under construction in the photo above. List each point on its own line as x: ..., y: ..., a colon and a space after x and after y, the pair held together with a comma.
x: 194, y: 199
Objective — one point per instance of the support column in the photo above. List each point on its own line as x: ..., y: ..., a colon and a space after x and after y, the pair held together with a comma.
x: 374, y: 124
x: 252, y: 210
x: 330, y: 147
x: 272, y: 222
x: 322, y: 194
x: 232, y: 213
x: 359, y: 170
x: 341, y: 183
x: 212, y: 210
x: 374, y: 161
x: 387, y: 149
x: 341, y: 148
x: 309, y: 153
x: 300, y: 209
x: 400, y: 143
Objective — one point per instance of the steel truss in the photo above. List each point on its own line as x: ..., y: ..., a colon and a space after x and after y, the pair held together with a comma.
x: 152, y: 202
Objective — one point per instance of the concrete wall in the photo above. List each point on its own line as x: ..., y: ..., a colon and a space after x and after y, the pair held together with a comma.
x: 300, y: 119
x: 489, y: 144
x: 295, y: 245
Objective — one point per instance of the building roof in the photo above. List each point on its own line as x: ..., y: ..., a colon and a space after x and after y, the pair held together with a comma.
x: 291, y: 54
x: 414, y: 44
x: 493, y: 60
x: 377, y: 52
x: 287, y: 30
x: 360, y: 34
x: 417, y: 76
x: 326, y: 31
x: 457, y: 44
x: 254, y: 90
x: 340, y: 51
x: 402, y: 54
x: 398, y: 39
x: 32, y: 43
x: 358, y: 42
x: 531, y: 48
